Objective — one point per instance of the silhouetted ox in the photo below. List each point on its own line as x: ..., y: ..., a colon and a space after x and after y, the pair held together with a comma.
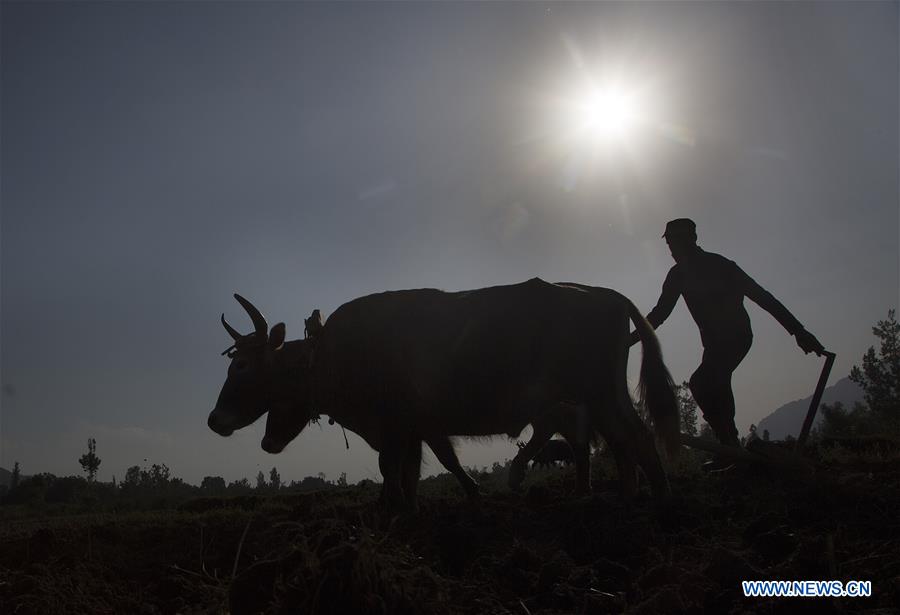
x: 402, y: 367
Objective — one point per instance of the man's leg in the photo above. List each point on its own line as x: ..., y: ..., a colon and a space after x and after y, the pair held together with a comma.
x: 711, y: 388
x: 707, y: 386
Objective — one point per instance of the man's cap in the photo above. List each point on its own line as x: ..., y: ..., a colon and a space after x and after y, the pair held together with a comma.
x: 680, y: 226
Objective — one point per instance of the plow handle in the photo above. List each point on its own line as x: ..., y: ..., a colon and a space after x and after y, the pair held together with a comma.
x: 816, y: 398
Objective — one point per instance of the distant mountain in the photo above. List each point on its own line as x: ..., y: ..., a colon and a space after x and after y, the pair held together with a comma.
x: 788, y: 419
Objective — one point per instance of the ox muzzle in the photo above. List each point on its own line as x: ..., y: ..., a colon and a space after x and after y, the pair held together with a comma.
x: 218, y: 424
x: 225, y: 422
x: 272, y: 445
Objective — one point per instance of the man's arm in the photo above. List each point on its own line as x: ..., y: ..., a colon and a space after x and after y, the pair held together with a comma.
x: 764, y: 299
x: 671, y: 290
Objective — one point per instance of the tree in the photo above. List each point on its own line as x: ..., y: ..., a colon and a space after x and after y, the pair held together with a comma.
x: 260, y: 480
x: 311, y: 483
x: 839, y: 421
x: 879, y: 376
x: 132, y: 476
x: 239, y: 485
x: 64, y: 489
x: 89, y: 461
x: 158, y: 476
x: 31, y: 490
x: 274, y: 480
x: 687, y: 409
x: 214, y: 484
x: 765, y: 435
x: 16, y: 476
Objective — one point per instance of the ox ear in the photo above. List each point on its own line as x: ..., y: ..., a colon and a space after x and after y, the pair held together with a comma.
x: 276, y: 336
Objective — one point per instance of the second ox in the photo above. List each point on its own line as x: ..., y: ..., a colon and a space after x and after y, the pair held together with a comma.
x: 403, y: 367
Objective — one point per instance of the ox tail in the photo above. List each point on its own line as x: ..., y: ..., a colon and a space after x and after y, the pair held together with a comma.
x: 656, y: 389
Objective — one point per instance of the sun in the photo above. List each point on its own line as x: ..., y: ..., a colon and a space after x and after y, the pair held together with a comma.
x: 606, y: 113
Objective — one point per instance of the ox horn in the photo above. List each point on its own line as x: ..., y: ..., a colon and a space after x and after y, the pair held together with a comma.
x: 259, y: 321
x: 231, y: 331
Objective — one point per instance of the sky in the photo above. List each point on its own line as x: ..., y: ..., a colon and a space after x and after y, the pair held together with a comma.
x: 157, y: 157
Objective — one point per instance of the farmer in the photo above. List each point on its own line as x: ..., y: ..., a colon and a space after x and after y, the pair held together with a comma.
x: 714, y: 289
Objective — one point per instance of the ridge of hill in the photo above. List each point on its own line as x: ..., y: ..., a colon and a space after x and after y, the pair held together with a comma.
x: 788, y: 419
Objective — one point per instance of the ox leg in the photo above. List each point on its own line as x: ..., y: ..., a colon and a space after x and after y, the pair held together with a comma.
x: 631, y: 442
x: 616, y: 429
x: 443, y: 450
x: 576, y: 431
x: 627, y: 473
x: 542, y: 434
x: 648, y: 458
x: 411, y: 470
x: 641, y: 447
x: 389, y: 462
x: 582, y: 453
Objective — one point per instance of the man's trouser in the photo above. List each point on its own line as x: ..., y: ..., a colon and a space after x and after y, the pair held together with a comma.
x: 711, y: 386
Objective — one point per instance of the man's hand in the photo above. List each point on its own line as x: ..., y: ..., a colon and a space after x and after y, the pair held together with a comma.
x: 808, y: 342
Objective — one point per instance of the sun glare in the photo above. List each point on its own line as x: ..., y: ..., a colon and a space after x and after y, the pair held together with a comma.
x: 602, y: 116
x: 606, y: 113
